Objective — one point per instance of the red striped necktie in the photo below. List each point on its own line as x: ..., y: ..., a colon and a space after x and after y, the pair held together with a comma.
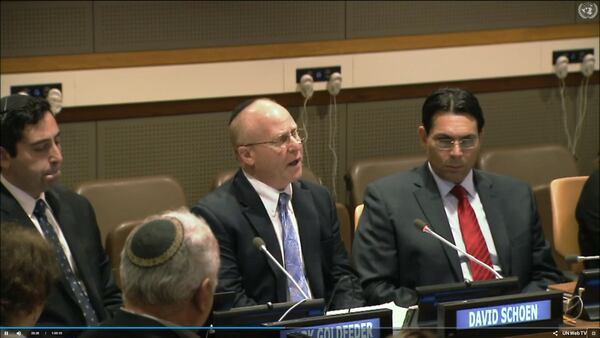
x: 472, y: 236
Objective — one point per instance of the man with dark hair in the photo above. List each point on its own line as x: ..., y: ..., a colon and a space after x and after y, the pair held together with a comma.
x: 31, y: 159
x: 296, y: 219
x: 28, y: 270
x: 491, y: 217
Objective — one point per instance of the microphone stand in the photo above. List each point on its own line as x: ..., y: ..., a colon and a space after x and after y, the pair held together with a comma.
x: 487, y: 267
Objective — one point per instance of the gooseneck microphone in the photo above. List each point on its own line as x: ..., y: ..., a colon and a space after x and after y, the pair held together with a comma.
x: 578, y: 259
x: 425, y: 228
x: 260, y: 244
x: 335, y: 288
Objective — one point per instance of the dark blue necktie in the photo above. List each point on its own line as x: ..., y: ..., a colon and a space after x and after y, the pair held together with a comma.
x: 291, y: 250
x: 80, y: 294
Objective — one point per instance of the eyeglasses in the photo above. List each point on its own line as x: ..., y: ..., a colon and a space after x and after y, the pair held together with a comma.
x: 447, y: 143
x: 282, y: 140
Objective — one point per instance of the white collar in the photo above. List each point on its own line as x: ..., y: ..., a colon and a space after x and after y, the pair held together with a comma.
x: 25, y: 200
x: 445, y: 186
x: 268, y: 194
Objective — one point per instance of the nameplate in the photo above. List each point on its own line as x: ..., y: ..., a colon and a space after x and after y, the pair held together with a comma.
x: 366, y: 324
x: 506, y: 314
x: 367, y: 328
x: 540, y: 310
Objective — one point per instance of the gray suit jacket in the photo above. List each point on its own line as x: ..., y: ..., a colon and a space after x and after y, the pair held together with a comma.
x: 393, y: 256
x: 236, y: 215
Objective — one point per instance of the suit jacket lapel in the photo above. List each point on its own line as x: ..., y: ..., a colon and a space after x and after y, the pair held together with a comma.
x: 308, y: 231
x: 430, y: 201
x: 10, y: 206
x: 67, y: 223
x: 257, y: 216
x: 490, y: 201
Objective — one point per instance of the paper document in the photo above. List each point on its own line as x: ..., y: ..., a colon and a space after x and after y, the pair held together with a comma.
x: 398, y: 313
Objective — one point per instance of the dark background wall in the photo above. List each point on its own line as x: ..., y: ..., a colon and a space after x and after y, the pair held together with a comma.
x: 78, y: 27
x: 194, y: 147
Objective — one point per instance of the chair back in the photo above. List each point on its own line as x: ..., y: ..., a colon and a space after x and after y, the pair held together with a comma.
x: 537, y: 165
x: 534, y: 164
x: 346, y: 230
x: 365, y: 171
x: 115, y: 241
x: 357, y: 212
x: 124, y: 199
x: 564, y: 195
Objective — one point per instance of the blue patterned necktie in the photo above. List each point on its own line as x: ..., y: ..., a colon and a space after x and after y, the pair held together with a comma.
x: 291, y: 251
x: 80, y: 294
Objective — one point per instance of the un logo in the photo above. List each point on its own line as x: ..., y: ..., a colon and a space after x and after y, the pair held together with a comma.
x: 587, y: 10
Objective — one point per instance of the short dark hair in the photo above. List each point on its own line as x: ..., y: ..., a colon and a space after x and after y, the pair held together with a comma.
x: 29, y: 270
x: 453, y: 100
x: 17, y: 112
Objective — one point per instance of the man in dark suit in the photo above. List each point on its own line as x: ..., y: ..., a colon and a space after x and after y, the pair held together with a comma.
x: 588, y: 217
x: 169, y: 273
x: 493, y: 218
x: 31, y: 159
x: 296, y: 219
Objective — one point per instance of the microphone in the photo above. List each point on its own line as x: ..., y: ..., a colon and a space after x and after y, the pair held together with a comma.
x: 334, y: 291
x: 578, y: 259
x: 425, y: 228
x: 260, y: 244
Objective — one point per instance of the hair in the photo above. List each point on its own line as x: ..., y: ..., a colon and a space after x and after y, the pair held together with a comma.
x: 19, y: 111
x: 178, y: 278
x: 28, y: 271
x: 453, y: 100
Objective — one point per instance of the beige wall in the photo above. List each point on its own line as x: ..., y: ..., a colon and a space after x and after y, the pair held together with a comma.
x: 166, y: 83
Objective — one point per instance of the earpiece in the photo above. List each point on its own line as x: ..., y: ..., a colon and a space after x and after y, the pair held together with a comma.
x: 587, y: 65
x: 334, y: 85
x: 306, y: 86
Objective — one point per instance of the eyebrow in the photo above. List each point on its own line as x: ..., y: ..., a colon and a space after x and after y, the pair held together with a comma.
x: 45, y: 140
x: 460, y: 138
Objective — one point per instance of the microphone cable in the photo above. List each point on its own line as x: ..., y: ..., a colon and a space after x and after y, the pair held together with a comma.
x: 291, y: 308
x: 335, y: 288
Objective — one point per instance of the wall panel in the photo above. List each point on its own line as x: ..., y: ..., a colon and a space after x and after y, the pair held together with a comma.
x: 78, y: 141
x: 321, y: 122
x: 191, y: 148
x: 387, y: 18
x: 194, y: 148
x: 46, y: 28
x: 154, y: 25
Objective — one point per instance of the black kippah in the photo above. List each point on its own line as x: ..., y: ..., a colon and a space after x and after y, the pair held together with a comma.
x: 14, y: 102
x: 155, y: 242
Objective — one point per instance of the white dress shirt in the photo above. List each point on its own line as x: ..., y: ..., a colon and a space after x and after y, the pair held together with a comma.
x: 28, y: 204
x: 270, y: 197
x: 451, y: 208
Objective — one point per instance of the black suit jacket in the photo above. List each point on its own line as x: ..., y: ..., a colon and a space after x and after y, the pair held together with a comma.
x: 77, y: 221
x: 236, y: 215
x: 393, y: 256
x: 128, y: 319
x: 588, y: 217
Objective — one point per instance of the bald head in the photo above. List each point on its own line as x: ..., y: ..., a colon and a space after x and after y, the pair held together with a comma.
x: 266, y: 142
x: 248, y: 120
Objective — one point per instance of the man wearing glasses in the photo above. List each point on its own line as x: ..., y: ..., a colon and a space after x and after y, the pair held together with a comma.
x: 296, y: 219
x: 493, y: 218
